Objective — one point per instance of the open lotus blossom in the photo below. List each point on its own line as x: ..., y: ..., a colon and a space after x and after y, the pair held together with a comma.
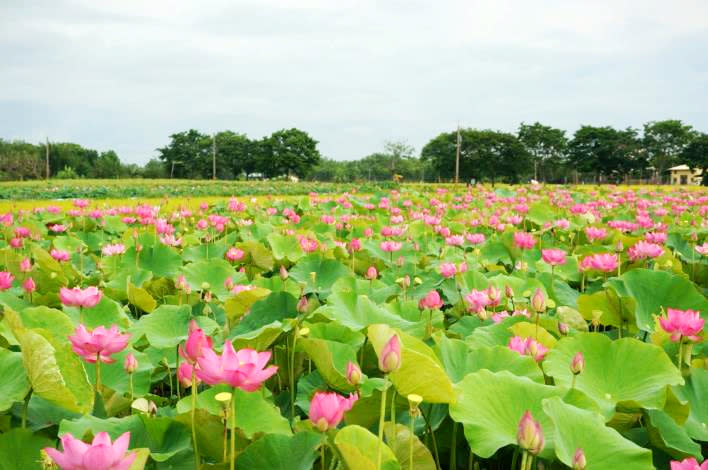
x: 390, y: 246
x: 243, y: 369
x: 553, y: 257
x: 477, y: 300
x: 431, y: 300
x: 524, y: 240
x: 447, y: 269
x: 327, y: 409
x: 59, y: 255
x: 101, y: 454
x: 6, y: 279
x: 234, y: 254
x: 594, y: 233
x: 528, y: 347
x: 682, y: 324
x: 644, y: 250
x: 605, y: 262
x: 702, y: 249
x: 77, y: 297
x: 530, y: 435
x: 98, y: 344
x: 114, y: 249
x: 309, y: 245
x: 689, y: 463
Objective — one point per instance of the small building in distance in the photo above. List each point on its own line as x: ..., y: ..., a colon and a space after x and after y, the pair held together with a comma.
x: 682, y: 174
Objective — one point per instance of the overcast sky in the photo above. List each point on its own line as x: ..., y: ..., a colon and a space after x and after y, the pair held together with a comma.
x: 126, y: 74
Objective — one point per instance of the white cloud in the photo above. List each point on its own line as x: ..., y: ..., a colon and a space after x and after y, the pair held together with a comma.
x: 126, y: 74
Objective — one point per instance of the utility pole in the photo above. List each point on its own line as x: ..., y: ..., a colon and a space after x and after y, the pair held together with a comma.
x: 47, y: 160
x: 457, y: 157
x: 213, y: 157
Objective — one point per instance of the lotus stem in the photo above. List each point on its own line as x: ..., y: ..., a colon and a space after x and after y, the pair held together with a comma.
x: 524, y: 460
x: 453, y: 447
x: 232, y: 464
x: 679, y: 361
x: 322, y: 455
x: 392, y: 416
x: 98, y: 373
x: 194, y: 410
x: 382, y: 419
x: 292, y: 376
x: 411, y: 437
x: 130, y: 382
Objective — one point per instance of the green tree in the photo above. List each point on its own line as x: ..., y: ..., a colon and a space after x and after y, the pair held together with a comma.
x: 547, y: 147
x: 154, y: 169
x: 188, y: 155
x: 608, y: 153
x: 664, y: 141
x: 288, y: 152
x: 66, y: 154
x: 695, y: 155
x: 20, y: 160
x: 107, y: 165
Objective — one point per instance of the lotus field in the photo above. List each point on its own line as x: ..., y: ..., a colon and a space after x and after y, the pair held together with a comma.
x: 526, y: 327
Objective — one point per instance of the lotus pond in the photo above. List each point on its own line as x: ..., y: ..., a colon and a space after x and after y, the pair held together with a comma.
x: 525, y: 327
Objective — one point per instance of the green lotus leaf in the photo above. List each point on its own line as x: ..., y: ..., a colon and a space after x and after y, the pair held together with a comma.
x: 275, y: 307
x: 20, y: 449
x: 624, y: 372
x: 696, y: 393
x: 257, y: 254
x: 140, y: 298
x: 656, y: 290
x: 280, y: 452
x: 666, y: 434
x: 165, y: 327
x: 327, y: 272
x: 421, y: 372
x: 14, y: 386
x: 603, y: 446
x: 490, y: 406
x: 398, y: 439
x: 358, y: 311
x: 285, y: 247
x: 213, y: 272
x: 359, y: 449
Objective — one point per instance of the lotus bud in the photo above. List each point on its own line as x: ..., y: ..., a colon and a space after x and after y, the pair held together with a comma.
x: 130, y: 364
x: 229, y: 283
x: 694, y: 236
x: 25, y: 265
x: 577, y: 364
x: 579, y: 461
x: 302, y: 304
x: 563, y: 328
x: 509, y: 292
x: 372, y: 273
x: 29, y: 285
x: 283, y: 273
x: 538, y: 301
x: 530, y: 435
x: 619, y: 246
x: 390, y: 358
x: 353, y: 374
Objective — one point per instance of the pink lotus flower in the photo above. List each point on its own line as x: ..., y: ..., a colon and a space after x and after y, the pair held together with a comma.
x: 390, y: 357
x: 353, y: 374
x: 432, y: 301
x: 184, y: 374
x: 530, y: 435
x: 59, y: 255
x: 538, y: 301
x: 477, y: 300
x: 475, y: 238
x: 682, y: 324
x: 391, y: 246
x: 98, y: 344
x: 6, y: 279
x: 524, y: 240
x: 605, y: 262
x: 243, y: 369
x: 594, y: 233
x: 702, y: 249
x: 234, y: 254
x: 655, y: 237
x: 26, y: 265
x: 689, y: 464
x: 101, y: 454
x: 577, y: 365
x: 553, y: 257
x: 130, y: 363
x: 579, y: 460
x: 29, y: 285
x: 528, y: 347
x: 327, y: 409
x: 77, y: 297
x: 308, y: 245
x: 643, y: 250
x: 494, y: 295
x: 448, y: 270
x: 195, y: 345
x: 57, y: 228
x: 455, y: 240
x: 371, y: 273
x: 114, y: 249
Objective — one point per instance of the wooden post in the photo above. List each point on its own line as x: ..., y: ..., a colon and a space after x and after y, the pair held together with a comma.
x: 47, y: 160
x: 457, y: 157
x: 213, y: 158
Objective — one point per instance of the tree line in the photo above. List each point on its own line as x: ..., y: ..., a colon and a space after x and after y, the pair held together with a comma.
x: 535, y: 151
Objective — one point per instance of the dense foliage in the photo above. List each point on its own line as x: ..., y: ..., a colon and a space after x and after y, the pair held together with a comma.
x: 524, y: 327
x: 537, y: 151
